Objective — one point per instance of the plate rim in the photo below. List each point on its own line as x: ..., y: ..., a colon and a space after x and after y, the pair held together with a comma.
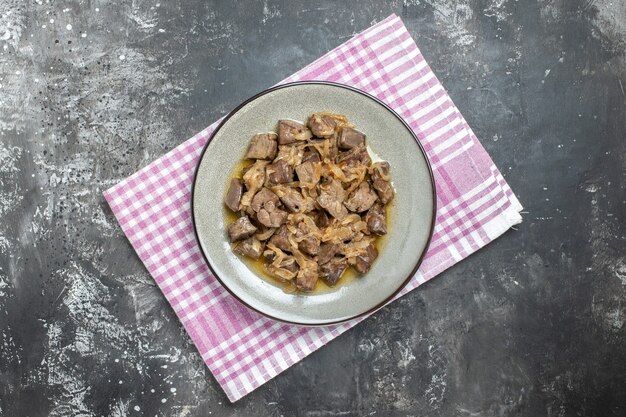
x: 404, y: 283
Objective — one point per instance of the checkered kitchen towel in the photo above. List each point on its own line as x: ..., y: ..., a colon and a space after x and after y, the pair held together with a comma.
x: 243, y: 349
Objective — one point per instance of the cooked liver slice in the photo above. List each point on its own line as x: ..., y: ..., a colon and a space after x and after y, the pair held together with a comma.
x: 292, y: 132
x: 279, y: 239
x: 331, y: 199
x: 293, y: 199
x: 233, y: 196
x: 364, y: 260
x: 356, y: 156
x: 262, y: 146
x: 310, y: 245
x: 376, y: 219
x: 349, y: 138
x: 321, y: 126
x: 332, y: 271
x: 279, y: 172
x: 321, y: 219
x: 311, y: 155
x: 361, y: 199
x: 240, y: 229
x: 383, y: 188
x: 307, y: 277
x: 326, y: 252
x: 271, y: 216
x: 261, y: 197
x: 309, y: 172
x: 251, y: 247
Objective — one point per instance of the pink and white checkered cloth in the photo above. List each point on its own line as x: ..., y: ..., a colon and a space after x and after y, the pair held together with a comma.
x: 243, y: 349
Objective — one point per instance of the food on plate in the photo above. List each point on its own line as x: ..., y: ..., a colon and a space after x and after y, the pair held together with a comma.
x: 310, y: 202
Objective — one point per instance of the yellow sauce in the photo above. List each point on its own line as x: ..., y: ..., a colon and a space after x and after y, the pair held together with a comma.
x: 256, y: 266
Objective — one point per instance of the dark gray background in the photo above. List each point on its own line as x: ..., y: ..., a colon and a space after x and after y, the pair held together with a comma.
x: 532, y: 325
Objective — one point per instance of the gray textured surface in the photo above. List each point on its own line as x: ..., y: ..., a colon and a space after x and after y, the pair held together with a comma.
x: 533, y: 325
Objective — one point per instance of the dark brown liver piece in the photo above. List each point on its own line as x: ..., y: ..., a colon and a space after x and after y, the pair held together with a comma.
x: 332, y: 271
x: 240, y: 229
x: 365, y: 259
x: 356, y: 156
x: 271, y: 216
x: 321, y: 126
x: 233, y: 196
x: 321, y: 219
x: 292, y: 132
x: 263, y: 146
x: 383, y: 188
x: 251, y: 247
x: 376, y: 219
x: 311, y: 155
x: 293, y: 199
x: 279, y: 239
x: 307, y: 277
x: 279, y: 172
x: 326, y: 252
x: 310, y: 245
x: 349, y: 138
x: 331, y: 199
x: 261, y: 197
x: 309, y: 172
x: 361, y: 199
